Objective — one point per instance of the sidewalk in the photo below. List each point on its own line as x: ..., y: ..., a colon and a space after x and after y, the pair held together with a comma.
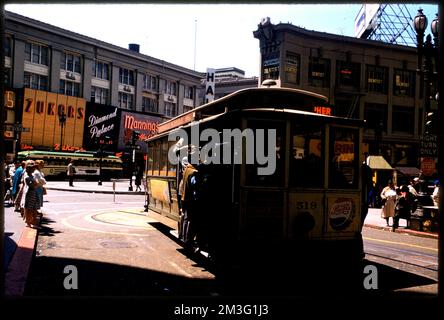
x: 121, y: 186
x: 374, y: 220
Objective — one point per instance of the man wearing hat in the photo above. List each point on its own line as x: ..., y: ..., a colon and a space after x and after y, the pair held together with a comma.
x: 402, y: 207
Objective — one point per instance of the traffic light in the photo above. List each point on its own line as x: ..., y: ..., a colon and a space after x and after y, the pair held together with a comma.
x: 430, y: 123
x: 135, y: 137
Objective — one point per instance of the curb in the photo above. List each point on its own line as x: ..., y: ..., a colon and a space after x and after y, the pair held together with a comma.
x: 406, y: 231
x: 96, y: 191
x: 18, y: 269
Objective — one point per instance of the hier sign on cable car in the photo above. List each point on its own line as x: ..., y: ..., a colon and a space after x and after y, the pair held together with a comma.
x: 322, y: 110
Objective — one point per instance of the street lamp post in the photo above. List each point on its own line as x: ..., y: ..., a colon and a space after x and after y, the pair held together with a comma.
x: 62, y: 121
x: 427, y: 52
x: 433, y: 119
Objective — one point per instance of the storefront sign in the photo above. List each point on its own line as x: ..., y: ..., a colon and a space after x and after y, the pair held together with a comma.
x: 101, y: 120
x: 41, y: 111
x: 146, y: 125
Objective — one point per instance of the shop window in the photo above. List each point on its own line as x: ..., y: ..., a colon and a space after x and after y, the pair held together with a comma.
x: 376, y: 79
x: 292, y: 67
x: 403, y: 119
x: 319, y: 72
x: 348, y: 75
x: 404, y: 83
x: 270, y: 66
x: 375, y: 113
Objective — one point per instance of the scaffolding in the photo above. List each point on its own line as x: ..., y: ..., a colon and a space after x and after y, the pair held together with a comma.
x: 392, y: 23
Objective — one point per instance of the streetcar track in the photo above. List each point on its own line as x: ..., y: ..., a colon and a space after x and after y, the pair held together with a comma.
x: 435, y: 269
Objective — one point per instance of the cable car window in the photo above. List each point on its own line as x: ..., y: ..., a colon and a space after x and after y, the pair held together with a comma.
x: 266, y: 160
x: 343, y: 172
x: 163, y: 158
x: 150, y: 153
x: 171, y: 167
x: 306, y: 165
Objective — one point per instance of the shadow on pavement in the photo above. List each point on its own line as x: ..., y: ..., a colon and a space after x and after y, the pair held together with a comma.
x: 46, y: 230
x: 47, y: 278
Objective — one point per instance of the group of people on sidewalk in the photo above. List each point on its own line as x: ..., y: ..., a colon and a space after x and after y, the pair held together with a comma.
x: 401, y: 202
x: 26, y: 188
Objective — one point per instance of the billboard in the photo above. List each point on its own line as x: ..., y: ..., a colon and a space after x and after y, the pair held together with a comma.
x: 145, y: 124
x: 41, y: 111
x: 364, y: 18
x: 101, y: 120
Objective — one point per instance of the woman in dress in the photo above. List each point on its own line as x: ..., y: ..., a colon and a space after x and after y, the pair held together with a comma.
x: 388, y: 196
x: 30, y: 198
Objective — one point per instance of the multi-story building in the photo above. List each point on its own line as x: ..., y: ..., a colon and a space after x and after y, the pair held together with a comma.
x: 229, y: 80
x: 46, y: 64
x: 365, y: 79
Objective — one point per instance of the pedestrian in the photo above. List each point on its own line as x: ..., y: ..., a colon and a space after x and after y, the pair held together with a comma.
x: 30, y: 200
x: 17, y: 179
x: 71, y: 171
x: 40, y: 179
x: 138, y: 180
x: 402, y: 207
x: 189, y: 205
x: 435, y: 194
x: 388, y: 195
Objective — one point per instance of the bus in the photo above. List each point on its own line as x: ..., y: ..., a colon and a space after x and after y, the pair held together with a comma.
x: 87, y: 164
x: 306, y: 199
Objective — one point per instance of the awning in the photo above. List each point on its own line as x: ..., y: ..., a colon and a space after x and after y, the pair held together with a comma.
x: 408, y: 171
x: 378, y: 163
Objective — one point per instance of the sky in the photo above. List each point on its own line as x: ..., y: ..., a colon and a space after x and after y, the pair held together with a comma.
x: 200, y: 36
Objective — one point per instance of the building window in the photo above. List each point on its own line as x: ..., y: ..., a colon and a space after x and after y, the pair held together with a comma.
x: 35, y: 81
x: 170, y: 87
x: 403, y: 119
x: 8, y: 51
x: 100, y: 70
x: 126, y: 100
x: 292, y: 67
x: 70, y: 62
x: 270, y: 66
x: 149, y: 105
x: 374, y: 113
x: 36, y: 53
x: 170, y: 109
x: 69, y: 88
x: 348, y: 74
x: 99, y: 95
x: 404, y: 83
x: 7, y: 79
x: 319, y: 72
x: 377, y: 79
x: 189, y: 92
x: 149, y: 82
x: 126, y: 76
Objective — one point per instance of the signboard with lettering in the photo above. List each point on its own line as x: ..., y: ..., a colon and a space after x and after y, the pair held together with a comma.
x: 10, y: 110
x: 101, y: 120
x: 131, y: 121
x: 41, y: 111
x: 210, y: 85
x: 428, y: 146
